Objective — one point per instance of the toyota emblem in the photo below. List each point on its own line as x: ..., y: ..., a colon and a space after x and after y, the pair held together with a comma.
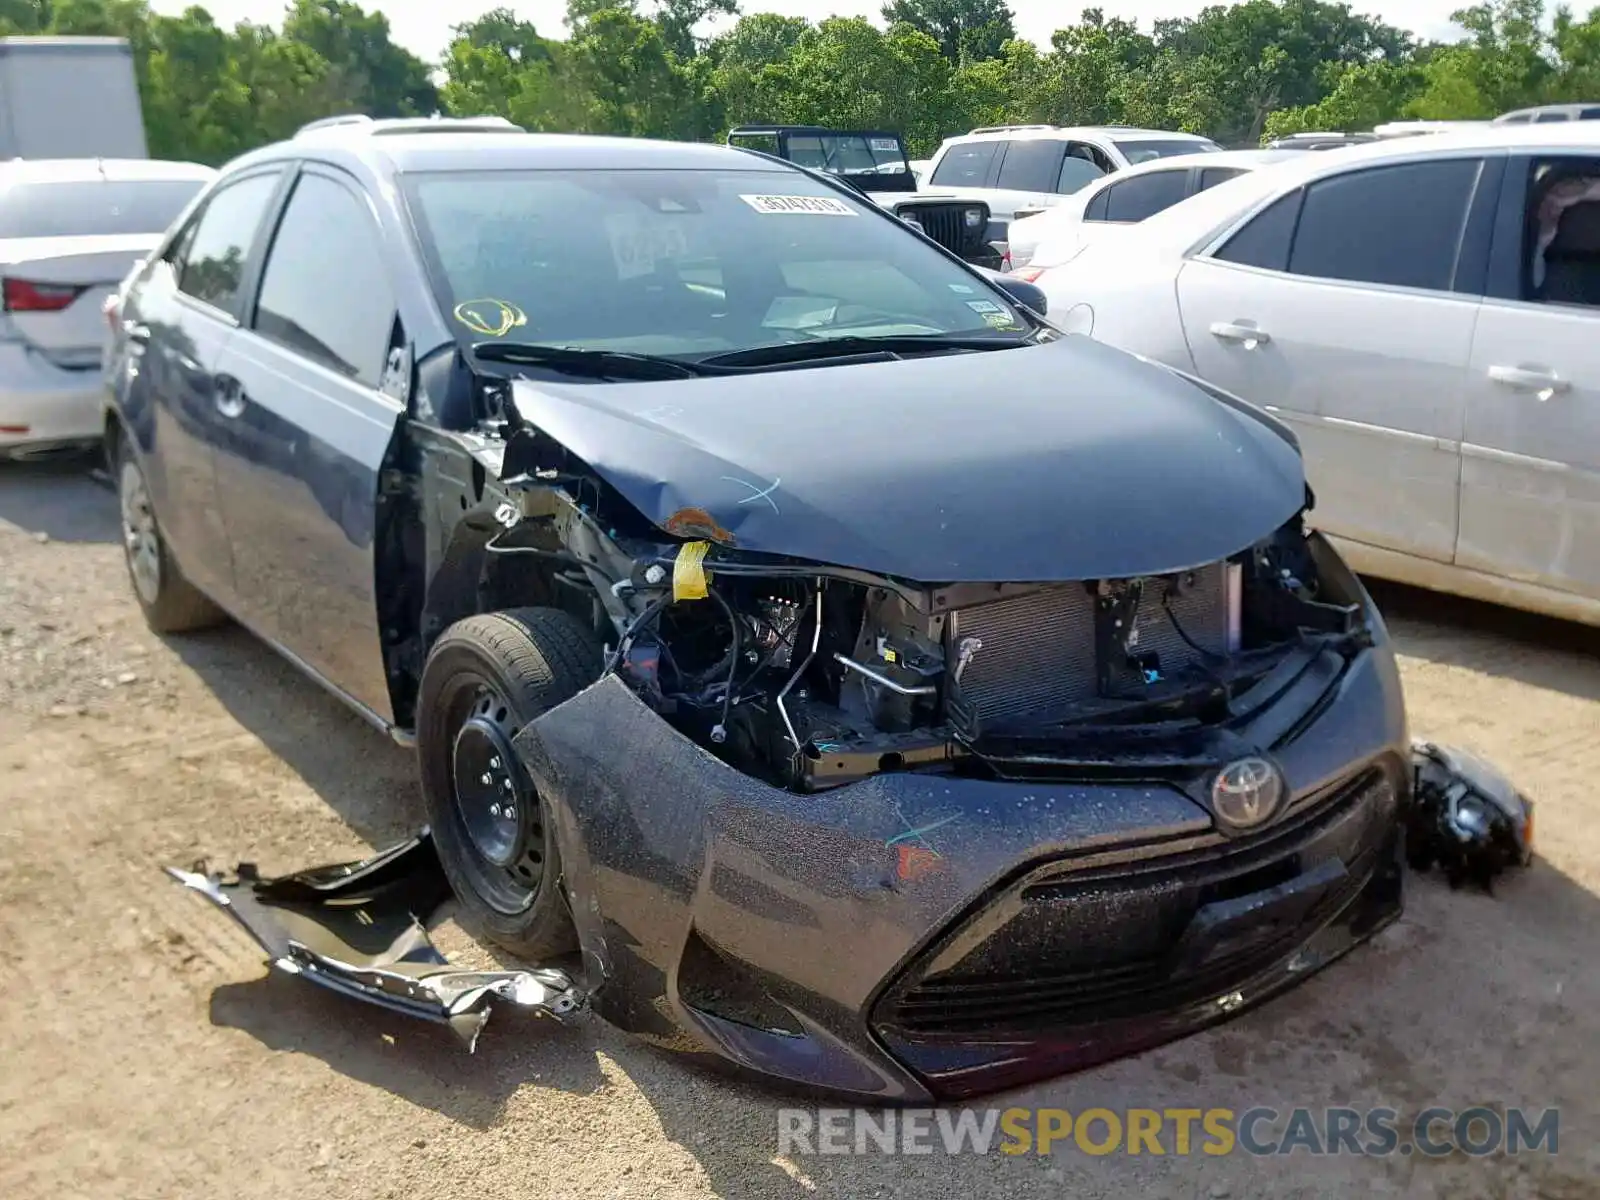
x: 1246, y: 794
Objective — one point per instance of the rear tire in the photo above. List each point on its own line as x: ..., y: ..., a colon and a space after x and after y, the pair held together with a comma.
x: 486, y: 677
x: 170, y: 603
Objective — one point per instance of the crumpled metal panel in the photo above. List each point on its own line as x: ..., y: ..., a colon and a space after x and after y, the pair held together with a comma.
x: 359, y: 929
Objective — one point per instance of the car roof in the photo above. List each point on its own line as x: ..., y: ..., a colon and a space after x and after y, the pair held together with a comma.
x: 400, y: 152
x: 86, y: 170
x: 1123, y: 133
x: 1200, y: 215
x: 1212, y: 158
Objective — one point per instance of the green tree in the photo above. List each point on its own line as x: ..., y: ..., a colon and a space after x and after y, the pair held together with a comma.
x: 966, y: 30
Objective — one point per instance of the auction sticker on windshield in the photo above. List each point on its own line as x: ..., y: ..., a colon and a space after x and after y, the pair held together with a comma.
x: 818, y: 206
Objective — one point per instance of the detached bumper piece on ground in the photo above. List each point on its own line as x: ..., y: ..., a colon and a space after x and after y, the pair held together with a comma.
x: 360, y: 928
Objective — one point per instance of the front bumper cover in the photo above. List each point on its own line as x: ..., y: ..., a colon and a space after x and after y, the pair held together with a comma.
x: 898, y: 939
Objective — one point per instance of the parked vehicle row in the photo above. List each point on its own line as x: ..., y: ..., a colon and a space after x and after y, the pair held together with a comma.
x: 1423, y: 313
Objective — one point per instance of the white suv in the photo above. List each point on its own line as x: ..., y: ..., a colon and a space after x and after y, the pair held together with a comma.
x: 1020, y: 167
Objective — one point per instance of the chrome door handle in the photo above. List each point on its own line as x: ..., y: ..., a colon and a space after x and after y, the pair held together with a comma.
x: 136, y: 333
x: 1544, y: 383
x: 1248, y: 335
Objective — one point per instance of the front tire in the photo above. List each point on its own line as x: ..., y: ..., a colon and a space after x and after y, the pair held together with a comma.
x: 170, y: 603
x: 486, y: 677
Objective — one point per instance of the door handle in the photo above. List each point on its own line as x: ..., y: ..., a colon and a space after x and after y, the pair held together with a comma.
x: 1544, y: 383
x: 1247, y: 335
x: 136, y: 333
x: 228, y: 395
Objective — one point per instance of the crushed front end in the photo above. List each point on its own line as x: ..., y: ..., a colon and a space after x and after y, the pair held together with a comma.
x: 878, y: 838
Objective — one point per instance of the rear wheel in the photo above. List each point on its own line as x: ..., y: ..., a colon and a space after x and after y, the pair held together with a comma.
x: 171, y: 604
x: 486, y: 677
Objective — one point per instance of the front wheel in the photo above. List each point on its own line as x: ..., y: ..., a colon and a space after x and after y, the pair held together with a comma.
x: 486, y: 677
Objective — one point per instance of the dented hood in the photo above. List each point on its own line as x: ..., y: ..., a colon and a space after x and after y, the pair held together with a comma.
x: 1069, y: 460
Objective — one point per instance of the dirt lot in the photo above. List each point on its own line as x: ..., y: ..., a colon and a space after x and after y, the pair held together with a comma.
x: 144, y: 1052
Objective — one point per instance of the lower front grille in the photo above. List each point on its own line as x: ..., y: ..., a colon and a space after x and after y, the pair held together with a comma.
x: 1036, y: 654
x: 1113, y: 944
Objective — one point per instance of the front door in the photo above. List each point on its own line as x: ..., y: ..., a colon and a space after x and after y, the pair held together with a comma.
x: 1530, y: 479
x: 311, y: 430
x: 1334, y: 308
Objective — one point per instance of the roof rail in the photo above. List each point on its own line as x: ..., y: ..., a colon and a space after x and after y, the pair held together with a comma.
x: 1008, y: 128
x: 403, y: 125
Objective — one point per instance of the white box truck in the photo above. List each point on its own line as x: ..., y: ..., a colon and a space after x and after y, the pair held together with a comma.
x: 69, y: 97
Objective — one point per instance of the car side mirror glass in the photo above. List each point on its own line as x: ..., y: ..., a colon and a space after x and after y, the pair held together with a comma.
x: 1026, y: 294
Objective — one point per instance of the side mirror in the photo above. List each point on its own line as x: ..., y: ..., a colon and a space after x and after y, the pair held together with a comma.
x: 1029, y: 295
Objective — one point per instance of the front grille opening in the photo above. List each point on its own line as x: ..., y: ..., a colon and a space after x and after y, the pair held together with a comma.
x: 1103, y: 944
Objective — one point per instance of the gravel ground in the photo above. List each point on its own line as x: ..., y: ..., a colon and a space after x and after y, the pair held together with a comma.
x: 144, y: 1052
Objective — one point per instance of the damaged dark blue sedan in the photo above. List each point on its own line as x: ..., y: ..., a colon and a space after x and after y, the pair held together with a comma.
x: 815, y: 661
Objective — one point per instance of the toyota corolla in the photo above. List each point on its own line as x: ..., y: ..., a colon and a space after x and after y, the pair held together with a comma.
x: 828, y: 665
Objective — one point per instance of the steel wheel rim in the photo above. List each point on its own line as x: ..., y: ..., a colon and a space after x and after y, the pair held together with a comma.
x: 141, y: 540
x: 505, y: 849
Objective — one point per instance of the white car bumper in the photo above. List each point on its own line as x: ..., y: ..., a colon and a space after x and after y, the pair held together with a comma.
x: 43, y: 405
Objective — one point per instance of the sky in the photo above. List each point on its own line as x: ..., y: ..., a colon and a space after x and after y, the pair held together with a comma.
x: 423, y: 26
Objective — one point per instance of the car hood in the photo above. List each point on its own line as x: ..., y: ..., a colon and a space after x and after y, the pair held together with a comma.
x: 1069, y: 460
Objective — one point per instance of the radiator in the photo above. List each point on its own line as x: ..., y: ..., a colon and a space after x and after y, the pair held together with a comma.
x: 1038, y: 651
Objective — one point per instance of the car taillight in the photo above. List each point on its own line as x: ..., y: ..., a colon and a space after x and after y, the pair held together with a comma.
x: 22, y: 295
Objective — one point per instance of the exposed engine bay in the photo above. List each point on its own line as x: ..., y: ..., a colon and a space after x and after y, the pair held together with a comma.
x: 809, y: 676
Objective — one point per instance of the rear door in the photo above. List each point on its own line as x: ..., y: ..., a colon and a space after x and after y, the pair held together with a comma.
x: 310, y: 429
x: 1341, y: 307
x: 1029, y: 171
x: 182, y: 314
x: 1530, y: 470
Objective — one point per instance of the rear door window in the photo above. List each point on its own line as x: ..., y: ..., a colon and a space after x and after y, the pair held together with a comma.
x: 1399, y: 226
x: 966, y: 164
x: 1033, y: 165
x: 1211, y: 176
x: 1078, y: 169
x: 1546, y: 118
x: 1145, y: 195
x: 214, y: 253
x: 335, y: 309
x: 1265, y: 240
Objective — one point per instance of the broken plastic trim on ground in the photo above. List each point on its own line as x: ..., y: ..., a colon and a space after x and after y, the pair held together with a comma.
x: 360, y: 928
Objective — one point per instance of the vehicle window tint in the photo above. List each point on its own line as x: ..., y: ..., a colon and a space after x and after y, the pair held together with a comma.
x: 1095, y: 210
x: 1078, y: 171
x: 1391, y: 225
x: 1561, y: 233
x: 1137, y: 152
x: 213, y: 260
x: 325, y: 292
x: 1545, y: 118
x: 1211, y: 176
x: 965, y: 165
x: 1515, y: 119
x: 1264, y: 242
x: 69, y: 208
x: 1031, y: 166
x: 1145, y: 195
x: 1589, y: 114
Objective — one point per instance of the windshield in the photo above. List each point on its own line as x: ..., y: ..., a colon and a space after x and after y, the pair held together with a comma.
x: 684, y: 263
x: 1143, y: 151
x: 93, y: 206
x: 842, y: 154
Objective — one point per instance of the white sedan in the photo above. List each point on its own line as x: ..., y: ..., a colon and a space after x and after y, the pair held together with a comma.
x: 1425, y: 315
x: 1124, y: 198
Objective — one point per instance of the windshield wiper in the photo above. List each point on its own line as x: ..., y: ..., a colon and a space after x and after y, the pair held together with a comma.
x: 598, y: 364
x: 844, y: 347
